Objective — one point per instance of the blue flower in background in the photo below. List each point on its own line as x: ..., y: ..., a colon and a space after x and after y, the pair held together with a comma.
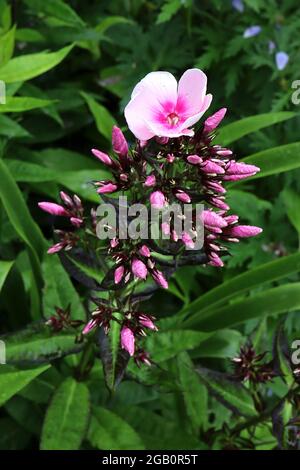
x: 238, y: 5
x: 252, y: 31
x: 271, y: 46
x: 281, y: 59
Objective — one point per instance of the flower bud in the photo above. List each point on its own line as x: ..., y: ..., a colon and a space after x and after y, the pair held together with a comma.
x: 127, y: 340
x: 119, y: 143
x: 53, y: 209
x: 157, y: 199
x: 139, y: 269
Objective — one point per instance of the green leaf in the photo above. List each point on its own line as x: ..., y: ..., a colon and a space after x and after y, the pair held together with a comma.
x: 222, y: 344
x: 39, y: 345
x: 231, y: 394
x: 11, y: 129
x: 13, y: 380
x: 275, y: 160
x: 29, y: 66
x: 169, y: 9
x: 292, y: 203
x: 194, y: 393
x: 114, y: 359
x: 19, y: 104
x: 110, y: 21
x: 59, y: 290
x: 270, y: 302
x: 78, y: 182
x: 7, y: 44
x: 5, y: 267
x: 29, y: 35
x: 67, y: 417
x: 107, y: 431
x: 20, y: 218
x: 268, y: 272
x: 281, y: 357
x: 238, y: 129
x: 56, y: 9
x: 103, y: 119
x: 167, y: 344
x: 25, y: 172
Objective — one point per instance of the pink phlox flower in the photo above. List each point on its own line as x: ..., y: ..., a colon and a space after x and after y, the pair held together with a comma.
x: 161, y: 107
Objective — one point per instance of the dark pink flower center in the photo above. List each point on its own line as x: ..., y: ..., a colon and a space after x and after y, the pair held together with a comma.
x: 173, y: 119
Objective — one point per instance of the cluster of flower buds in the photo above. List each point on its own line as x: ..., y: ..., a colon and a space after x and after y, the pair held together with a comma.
x: 120, y: 167
x: 248, y: 366
x: 62, y: 320
x: 220, y: 228
x: 134, y: 262
x: 134, y: 327
x: 72, y: 209
x: 100, y: 317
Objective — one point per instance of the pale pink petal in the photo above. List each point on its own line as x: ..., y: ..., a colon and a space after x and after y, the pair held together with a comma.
x: 163, y: 85
x: 191, y: 92
x: 190, y: 121
x: 139, y: 112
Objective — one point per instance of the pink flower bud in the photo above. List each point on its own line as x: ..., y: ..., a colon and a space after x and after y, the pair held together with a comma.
x: 215, y: 260
x: 243, y: 231
x: 157, y: 199
x: 165, y: 226
x: 124, y: 177
x: 236, y: 171
x: 139, y: 269
x: 224, y: 152
x: 107, y: 188
x: 174, y: 236
x: 194, y: 159
x: 162, y: 140
x: 231, y: 219
x: 146, y: 321
x: 170, y: 158
x: 150, y: 181
x: 143, y: 143
x: 54, y: 209
x: 215, y: 187
x: 103, y: 157
x: 76, y: 221
x: 89, y: 326
x: 127, y: 340
x: 183, y: 197
x: 119, y: 143
x: 160, y: 279
x: 118, y: 275
x: 144, y: 251
x: 56, y: 248
x: 240, y: 168
x: 213, y: 121
x: 211, y: 219
x: 66, y: 199
x: 114, y: 242
x: 212, y: 168
x: 219, y: 203
x: 187, y: 240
